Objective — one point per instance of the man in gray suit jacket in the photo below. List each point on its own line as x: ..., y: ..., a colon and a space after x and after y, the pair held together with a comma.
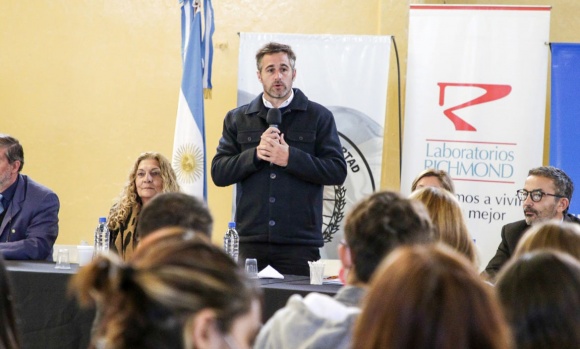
x: 546, y: 195
x: 28, y: 210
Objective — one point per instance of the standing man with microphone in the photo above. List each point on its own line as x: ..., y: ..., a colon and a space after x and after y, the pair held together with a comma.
x: 280, y: 150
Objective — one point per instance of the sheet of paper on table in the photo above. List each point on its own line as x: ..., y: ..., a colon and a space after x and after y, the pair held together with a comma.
x: 331, y: 269
x: 270, y: 273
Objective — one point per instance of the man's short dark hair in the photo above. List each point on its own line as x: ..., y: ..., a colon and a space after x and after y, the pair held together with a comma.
x: 563, y: 183
x: 174, y: 210
x: 380, y: 223
x: 14, y: 150
x: 274, y: 47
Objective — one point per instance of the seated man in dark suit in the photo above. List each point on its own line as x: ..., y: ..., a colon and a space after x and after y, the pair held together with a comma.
x: 28, y: 210
x: 546, y: 195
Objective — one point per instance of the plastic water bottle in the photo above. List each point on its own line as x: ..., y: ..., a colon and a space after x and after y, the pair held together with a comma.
x: 102, y: 236
x: 232, y: 241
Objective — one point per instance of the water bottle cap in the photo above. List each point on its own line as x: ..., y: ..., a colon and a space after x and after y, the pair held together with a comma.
x: 231, y: 224
x: 102, y: 219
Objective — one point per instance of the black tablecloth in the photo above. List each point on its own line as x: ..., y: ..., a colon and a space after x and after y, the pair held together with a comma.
x: 49, y: 318
x: 276, y: 292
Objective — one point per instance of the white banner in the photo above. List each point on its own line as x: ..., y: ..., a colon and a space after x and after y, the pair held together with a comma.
x: 475, y: 106
x: 348, y: 75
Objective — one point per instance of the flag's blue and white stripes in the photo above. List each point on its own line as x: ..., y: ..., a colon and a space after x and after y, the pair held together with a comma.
x: 207, y: 43
x: 188, y: 159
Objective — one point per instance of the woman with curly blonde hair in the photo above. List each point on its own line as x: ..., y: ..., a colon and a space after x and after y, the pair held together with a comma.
x: 150, y: 175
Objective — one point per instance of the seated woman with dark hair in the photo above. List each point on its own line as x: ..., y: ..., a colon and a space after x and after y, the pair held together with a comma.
x: 430, y: 297
x: 540, y: 293
x: 150, y: 175
x: 184, y: 293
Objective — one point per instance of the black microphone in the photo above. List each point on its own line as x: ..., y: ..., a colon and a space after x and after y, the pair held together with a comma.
x: 274, y: 117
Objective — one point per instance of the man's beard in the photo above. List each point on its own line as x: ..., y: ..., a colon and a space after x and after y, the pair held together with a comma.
x: 536, y: 218
x: 4, y: 179
x: 275, y: 94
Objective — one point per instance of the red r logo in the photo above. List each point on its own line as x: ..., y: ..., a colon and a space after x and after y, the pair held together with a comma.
x: 492, y: 93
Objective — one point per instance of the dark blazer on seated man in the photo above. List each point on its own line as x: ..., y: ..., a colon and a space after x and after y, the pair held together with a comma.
x: 28, y: 210
x: 29, y: 227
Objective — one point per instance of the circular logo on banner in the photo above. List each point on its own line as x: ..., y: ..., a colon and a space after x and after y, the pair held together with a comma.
x: 188, y: 163
x: 361, y: 140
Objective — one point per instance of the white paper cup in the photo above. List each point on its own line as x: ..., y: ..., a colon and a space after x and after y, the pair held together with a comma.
x: 316, y: 274
x: 85, y: 254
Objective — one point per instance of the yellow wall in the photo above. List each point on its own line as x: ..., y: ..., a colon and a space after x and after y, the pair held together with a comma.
x: 87, y: 85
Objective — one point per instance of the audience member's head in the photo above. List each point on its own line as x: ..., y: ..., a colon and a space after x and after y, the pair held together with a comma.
x: 379, y: 224
x: 184, y: 293
x: 447, y: 217
x: 430, y: 297
x: 177, y: 233
x: 540, y: 293
x: 9, y: 337
x: 554, y: 235
x: 433, y: 178
x: 174, y: 210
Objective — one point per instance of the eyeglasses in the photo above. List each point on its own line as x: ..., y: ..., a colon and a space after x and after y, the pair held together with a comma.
x: 536, y: 195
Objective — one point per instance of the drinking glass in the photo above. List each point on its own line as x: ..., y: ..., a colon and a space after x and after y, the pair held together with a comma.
x: 252, y: 268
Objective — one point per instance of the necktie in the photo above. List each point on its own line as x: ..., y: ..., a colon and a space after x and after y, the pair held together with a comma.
x: 1, y: 206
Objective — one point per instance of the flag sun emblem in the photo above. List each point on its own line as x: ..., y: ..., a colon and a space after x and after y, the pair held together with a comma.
x: 188, y: 163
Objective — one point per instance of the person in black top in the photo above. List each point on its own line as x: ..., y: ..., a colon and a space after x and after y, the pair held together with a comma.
x: 280, y: 172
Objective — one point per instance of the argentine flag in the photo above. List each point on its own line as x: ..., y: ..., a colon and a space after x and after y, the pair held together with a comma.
x: 189, y: 160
